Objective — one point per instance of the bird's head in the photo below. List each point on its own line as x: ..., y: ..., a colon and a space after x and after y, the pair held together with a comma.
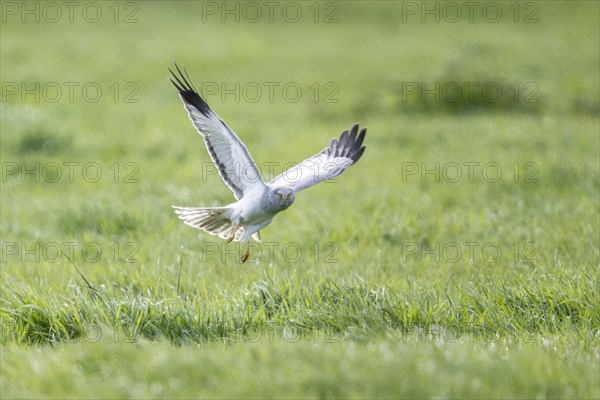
x: 281, y: 198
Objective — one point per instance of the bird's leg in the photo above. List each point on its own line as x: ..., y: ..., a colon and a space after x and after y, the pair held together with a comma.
x: 247, y: 253
x: 235, y: 228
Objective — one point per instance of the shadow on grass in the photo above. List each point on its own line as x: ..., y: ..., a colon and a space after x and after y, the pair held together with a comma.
x: 39, y: 141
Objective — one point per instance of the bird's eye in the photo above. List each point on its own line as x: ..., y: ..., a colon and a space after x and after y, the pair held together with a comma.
x: 278, y: 195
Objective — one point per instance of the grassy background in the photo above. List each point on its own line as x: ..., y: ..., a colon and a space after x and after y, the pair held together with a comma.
x: 362, y: 296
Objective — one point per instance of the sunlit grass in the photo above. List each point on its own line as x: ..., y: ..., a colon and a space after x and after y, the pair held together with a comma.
x: 394, y: 281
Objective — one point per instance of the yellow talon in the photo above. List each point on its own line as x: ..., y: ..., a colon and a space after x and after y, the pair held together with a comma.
x: 246, y: 254
x: 235, y: 228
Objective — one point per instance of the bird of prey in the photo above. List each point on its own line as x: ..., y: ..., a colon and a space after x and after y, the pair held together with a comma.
x: 257, y: 201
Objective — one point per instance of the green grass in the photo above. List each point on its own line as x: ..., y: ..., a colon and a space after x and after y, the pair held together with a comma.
x: 274, y: 367
x: 397, y: 284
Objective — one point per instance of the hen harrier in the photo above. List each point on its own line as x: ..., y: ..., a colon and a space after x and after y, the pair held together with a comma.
x: 257, y: 201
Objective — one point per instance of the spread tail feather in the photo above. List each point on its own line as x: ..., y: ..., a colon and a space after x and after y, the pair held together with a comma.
x: 214, y: 220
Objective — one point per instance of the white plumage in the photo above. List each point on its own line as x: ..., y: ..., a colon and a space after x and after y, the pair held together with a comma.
x: 257, y: 201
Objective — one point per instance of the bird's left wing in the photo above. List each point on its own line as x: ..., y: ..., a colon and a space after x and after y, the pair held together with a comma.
x: 228, y: 152
x: 329, y: 163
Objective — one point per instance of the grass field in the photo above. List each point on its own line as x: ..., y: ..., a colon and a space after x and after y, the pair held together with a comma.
x: 458, y: 259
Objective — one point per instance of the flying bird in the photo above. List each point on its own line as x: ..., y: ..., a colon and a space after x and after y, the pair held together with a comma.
x: 257, y: 201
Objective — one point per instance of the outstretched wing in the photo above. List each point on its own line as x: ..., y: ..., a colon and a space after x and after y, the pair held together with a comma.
x: 329, y: 163
x: 227, y: 151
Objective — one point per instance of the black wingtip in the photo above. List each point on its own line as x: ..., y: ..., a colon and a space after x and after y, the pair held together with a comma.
x: 356, y: 156
x: 361, y: 137
x: 349, y: 144
x: 187, y: 91
x: 358, y: 144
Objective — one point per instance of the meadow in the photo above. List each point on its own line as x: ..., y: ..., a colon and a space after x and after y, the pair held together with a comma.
x: 457, y: 259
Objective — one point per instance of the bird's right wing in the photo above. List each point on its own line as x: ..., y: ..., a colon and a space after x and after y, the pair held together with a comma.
x: 228, y: 152
x: 329, y: 163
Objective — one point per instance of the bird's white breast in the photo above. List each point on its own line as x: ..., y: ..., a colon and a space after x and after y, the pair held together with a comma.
x: 248, y: 210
